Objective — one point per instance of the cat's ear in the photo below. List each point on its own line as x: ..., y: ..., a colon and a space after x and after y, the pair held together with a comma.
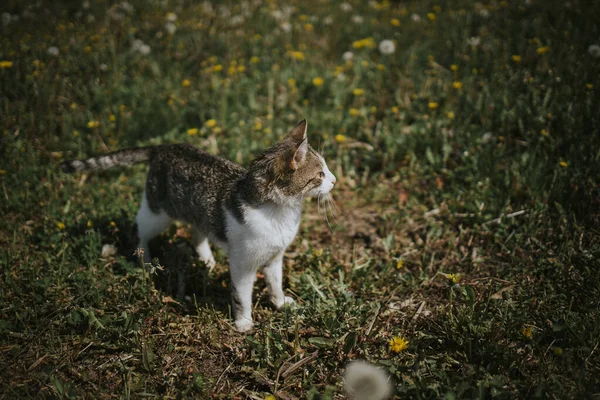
x: 298, y: 135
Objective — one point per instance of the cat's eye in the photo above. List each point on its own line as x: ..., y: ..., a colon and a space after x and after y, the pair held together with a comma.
x: 321, y: 175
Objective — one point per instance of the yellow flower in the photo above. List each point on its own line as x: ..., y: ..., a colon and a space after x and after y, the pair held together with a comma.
x: 340, y: 138
x: 93, y: 124
x: 76, y: 133
x: 186, y: 83
x: 395, y: 22
x: 60, y: 226
x: 527, y: 332
x: 432, y: 105
x: 516, y: 58
x: 318, y: 81
x: 257, y: 126
x: 6, y: 64
x: 503, y: 4
x: 450, y: 115
x: 589, y: 86
x: 400, y: 264
x: 395, y: 110
x: 270, y: 397
x: 89, y: 224
x: 373, y: 110
x: 2, y: 172
x: 112, y: 118
x: 87, y: 49
x: 122, y: 107
x: 543, y: 50
x: 437, y: 9
x: 254, y: 60
x: 358, y: 92
x: 308, y: 27
x: 267, y: 130
x: 211, y: 123
x: 112, y: 224
x: 454, y: 278
x: 381, y: 67
x: 217, y: 68
x: 241, y: 69
x: 563, y: 164
x: 192, y: 131
x: 367, y: 42
x: 305, y: 102
x: 544, y: 132
x: 297, y: 55
x: 558, y: 351
x: 257, y: 36
x: 397, y: 344
x: 457, y: 85
x: 431, y: 16
x: 364, y: 63
x: 454, y: 67
x: 318, y: 252
x: 354, y: 112
x: 291, y: 82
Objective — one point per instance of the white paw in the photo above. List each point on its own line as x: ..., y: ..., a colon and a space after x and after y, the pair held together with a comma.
x: 287, y: 302
x: 210, y: 263
x: 244, y: 325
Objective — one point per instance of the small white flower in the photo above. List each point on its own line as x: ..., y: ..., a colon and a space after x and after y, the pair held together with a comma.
x: 357, y: 19
x: 127, y: 7
x: 145, y: 49
x: 171, y: 28
x: 328, y: 20
x: 53, y: 51
x: 85, y: 4
x: 364, y: 381
x: 594, y: 51
x: 108, y: 250
x: 277, y: 14
x: 236, y: 20
x: 415, y: 17
x: 171, y: 17
x: 387, y: 47
x: 484, y: 13
x: 348, y: 56
x: 347, y: 7
x: 137, y: 43
x: 341, y: 77
x: 286, y: 26
x: 103, y: 67
x: 474, y: 41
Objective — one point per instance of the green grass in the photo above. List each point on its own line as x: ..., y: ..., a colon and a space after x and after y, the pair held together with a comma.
x: 430, y: 171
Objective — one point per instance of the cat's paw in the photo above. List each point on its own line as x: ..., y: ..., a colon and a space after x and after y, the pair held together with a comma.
x: 287, y: 302
x: 244, y: 325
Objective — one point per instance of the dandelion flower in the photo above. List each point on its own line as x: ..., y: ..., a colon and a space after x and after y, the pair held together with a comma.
x: 60, y: 226
x: 544, y: 132
x: 563, y: 164
x: 254, y: 60
x: 53, y: 51
x: 270, y: 397
x: 395, y: 110
x: 594, y: 51
x: 454, y: 278
x: 318, y: 81
x: 309, y: 27
x: 89, y: 224
x: 6, y: 64
x: 211, y: 123
x: 364, y: 381
x: 400, y: 264
x: 291, y: 82
x: 297, y: 55
x: 217, y: 68
x: 112, y: 224
x: 431, y: 16
x: 112, y: 118
x: 543, y: 50
x: 527, y: 332
x: 340, y: 138
x: 186, y: 83
x: 2, y: 172
x: 589, y: 86
x: 192, y: 131
x: 558, y: 351
x: 457, y: 85
x: 397, y: 344
x: 516, y: 58
x: 454, y: 67
x: 93, y: 124
x: 395, y: 22
x: 358, y: 92
x: 387, y: 47
x: 433, y: 105
x: 381, y: 67
x: 354, y: 112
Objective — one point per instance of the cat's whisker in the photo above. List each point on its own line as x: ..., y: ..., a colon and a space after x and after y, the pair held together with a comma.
x: 332, y: 207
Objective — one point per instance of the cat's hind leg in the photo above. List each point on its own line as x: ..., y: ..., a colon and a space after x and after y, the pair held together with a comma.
x: 200, y: 243
x: 150, y: 224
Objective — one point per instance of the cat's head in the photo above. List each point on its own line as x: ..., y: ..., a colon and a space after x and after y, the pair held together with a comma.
x: 292, y: 168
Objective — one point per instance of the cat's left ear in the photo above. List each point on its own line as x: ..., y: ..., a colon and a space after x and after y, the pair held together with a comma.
x: 298, y: 135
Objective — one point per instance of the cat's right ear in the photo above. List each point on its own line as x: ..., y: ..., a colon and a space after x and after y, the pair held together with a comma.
x: 298, y: 134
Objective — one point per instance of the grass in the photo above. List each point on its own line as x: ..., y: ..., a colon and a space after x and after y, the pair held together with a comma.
x: 469, y: 193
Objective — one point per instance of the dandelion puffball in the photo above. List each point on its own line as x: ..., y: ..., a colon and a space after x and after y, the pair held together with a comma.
x: 594, y: 51
x: 348, y: 56
x: 364, y: 381
x: 387, y: 47
x: 53, y: 51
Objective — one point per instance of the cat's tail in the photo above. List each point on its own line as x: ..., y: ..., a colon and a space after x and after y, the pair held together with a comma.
x: 118, y: 158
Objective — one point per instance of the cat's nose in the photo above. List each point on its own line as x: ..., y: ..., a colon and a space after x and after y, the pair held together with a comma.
x: 333, y: 180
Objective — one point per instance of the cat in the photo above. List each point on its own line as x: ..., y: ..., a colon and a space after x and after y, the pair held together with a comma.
x: 252, y: 214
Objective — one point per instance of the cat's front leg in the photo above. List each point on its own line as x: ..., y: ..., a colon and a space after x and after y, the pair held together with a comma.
x: 273, y: 272
x: 242, y: 282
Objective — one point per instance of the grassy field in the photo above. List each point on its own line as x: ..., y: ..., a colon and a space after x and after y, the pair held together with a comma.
x: 467, y: 152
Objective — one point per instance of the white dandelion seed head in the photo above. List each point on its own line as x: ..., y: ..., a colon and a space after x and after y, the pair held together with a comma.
x: 364, y: 381
x: 277, y: 14
x: 415, y: 17
x: 347, y: 7
x: 236, y: 20
x: 103, y: 67
x: 53, y: 51
x: 127, y: 7
x: 286, y: 26
x: 348, y: 56
x: 387, y: 47
x: 6, y: 18
x: 474, y: 41
x: 171, y: 28
x: 136, y: 44
x: 328, y: 20
x: 91, y: 18
x: 594, y: 51
x: 341, y: 77
x: 358, y: 19
x: 171, y: 17
x: 484, y: 13
x: 145, y: 49
x: 108, y: 250
x: 85, y: 4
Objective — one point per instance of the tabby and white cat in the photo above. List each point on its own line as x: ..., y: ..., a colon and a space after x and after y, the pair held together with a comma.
x: 253, y: 214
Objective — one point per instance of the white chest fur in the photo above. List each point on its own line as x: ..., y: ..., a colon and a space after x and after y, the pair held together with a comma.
x: 266, y: 232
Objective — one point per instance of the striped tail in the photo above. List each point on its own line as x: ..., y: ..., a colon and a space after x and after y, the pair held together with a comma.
x: 114, y: 159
